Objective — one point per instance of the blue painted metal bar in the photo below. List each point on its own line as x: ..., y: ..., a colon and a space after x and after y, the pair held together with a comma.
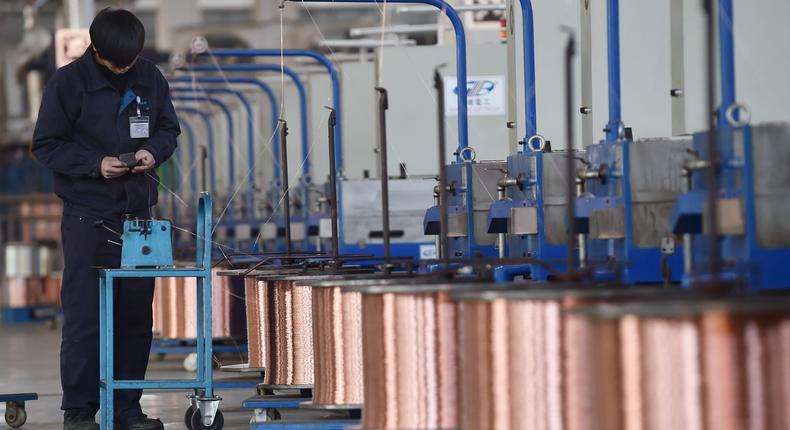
x: 293, y: 76
x: 266, y: 88
x: 229, y: 117
x: 209, y: 143
x: 460, y: 46
x: 726, y: 61
x: 320, y: 58
x: 613, y: 61
x: 274, y: 401
x: 250, y: 136
x: 306, y: 425
x: 190, y: 135
x: 530, y: 96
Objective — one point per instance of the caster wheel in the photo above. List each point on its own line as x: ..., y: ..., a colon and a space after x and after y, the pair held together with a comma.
x: 191, y: 362
x: 188, y: 417
x: 273, y: 415
x: 15, y: 416
x: 197, y: 422
x: 160, y: 356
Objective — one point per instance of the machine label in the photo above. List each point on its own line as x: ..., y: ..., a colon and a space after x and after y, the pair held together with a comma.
x: 485, y: 95
x: 427, y: 252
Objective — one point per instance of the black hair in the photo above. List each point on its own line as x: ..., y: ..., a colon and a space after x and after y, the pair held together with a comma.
x: 118, y: 36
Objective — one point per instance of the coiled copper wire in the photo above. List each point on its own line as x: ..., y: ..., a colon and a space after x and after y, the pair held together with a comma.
x: 288, y: 332
x: 175, y: 307
x: 337, y: 336
x: 699, y: 365
x: 410, y: 360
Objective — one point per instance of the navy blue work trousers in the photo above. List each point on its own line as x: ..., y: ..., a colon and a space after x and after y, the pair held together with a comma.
x: 86, y: 247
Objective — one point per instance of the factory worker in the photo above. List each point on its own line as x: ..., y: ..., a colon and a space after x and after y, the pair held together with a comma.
x: 106, y: 122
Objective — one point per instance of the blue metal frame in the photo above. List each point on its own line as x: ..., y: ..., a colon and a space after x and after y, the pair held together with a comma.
x: 303, y: 119
x: 642, y: 265
x: 202, y: 272
x: 209, y: 142
x: 231, y: 136
x: 250, y: 133
x: 726, y: 61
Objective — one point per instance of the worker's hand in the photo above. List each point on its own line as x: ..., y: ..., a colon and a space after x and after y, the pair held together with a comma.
x: 112, y: 167
x: 145, y: 161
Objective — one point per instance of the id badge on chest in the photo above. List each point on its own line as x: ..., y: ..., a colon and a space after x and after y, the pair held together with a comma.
x: 139, y: 127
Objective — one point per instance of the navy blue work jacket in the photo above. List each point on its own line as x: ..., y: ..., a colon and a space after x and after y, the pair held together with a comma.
x: 83, y: 118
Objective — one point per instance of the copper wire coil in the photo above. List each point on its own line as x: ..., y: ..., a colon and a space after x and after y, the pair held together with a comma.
x: 410, y: 360
x: 25, y: 292
x: 337, y: 336
x: 696, y: 369
x: 526, y: 362
x: 175, y: 307
x: 280, y: 331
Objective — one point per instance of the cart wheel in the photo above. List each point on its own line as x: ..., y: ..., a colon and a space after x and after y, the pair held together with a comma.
x: 15, y: 416
x: 191, y: 362
x: 273, y: 414
x: 188, y: 417
x: 197, y: 421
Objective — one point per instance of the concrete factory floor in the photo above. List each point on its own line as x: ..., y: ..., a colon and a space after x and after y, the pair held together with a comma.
x: 29, y: 363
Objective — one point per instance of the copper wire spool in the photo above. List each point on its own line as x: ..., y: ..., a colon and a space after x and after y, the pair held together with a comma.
x: 411, y: 357
x: 256, y: 315
x: 283, y: 318
x: 337, y: 345
x: 526, y: 362
x: 699, y: 364
x: 175, y: 307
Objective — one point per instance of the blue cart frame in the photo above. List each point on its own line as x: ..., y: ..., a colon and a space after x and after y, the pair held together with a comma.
x: 204, y: 401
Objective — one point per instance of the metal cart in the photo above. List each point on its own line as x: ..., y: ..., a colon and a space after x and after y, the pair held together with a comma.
x: 147, y: 253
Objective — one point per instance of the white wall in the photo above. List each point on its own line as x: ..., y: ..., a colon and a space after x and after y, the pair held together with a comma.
x: 762, y: 49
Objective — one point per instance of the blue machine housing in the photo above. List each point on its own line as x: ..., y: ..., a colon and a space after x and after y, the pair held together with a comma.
x: 626, y: 209
x: 541, y: 184
x: 472, y: 185
x: 754, y: 189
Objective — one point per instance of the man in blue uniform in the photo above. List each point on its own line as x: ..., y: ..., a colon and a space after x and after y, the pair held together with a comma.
x: 106, y: 122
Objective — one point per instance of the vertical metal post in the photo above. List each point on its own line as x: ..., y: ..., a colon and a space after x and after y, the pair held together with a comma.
x: 712, y: 171
x: 285, y: 187
x: 570, y: 53
x: 383, y: 105
x: 512, y: 85
x: 613, y: 43
x: 677, y: 54
x: 585, y: 37
x: 333, y: 185
x: 726, y: 57
x: 438, y: 82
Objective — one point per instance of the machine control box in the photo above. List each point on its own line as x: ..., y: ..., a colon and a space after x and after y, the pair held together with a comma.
x: 146, y: 243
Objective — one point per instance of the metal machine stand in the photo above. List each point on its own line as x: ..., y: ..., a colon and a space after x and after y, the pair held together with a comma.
x: 147, y: 253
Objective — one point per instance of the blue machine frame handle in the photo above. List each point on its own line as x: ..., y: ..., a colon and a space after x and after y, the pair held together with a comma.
x: 460, y: 47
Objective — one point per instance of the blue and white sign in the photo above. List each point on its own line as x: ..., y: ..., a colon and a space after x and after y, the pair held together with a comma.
x: 485, y: 96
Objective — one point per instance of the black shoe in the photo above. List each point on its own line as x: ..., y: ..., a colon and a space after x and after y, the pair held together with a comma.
x: 79, y: 420
x: 140, y: 423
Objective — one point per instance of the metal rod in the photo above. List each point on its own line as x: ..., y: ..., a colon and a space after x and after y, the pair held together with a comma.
x: 438, y: 82
x: 613, y: 43
x: 459, y: 8
x: 394, y: 29
x: 727, y: 57
x: 570, y: 52
x: 286, y: 191
x: 364, y: 43
x: 383, y: 105
x: 712, y: 172
x: 332, y: 198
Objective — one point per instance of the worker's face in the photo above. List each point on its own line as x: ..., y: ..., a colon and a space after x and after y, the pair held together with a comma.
x: 113, y: 68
